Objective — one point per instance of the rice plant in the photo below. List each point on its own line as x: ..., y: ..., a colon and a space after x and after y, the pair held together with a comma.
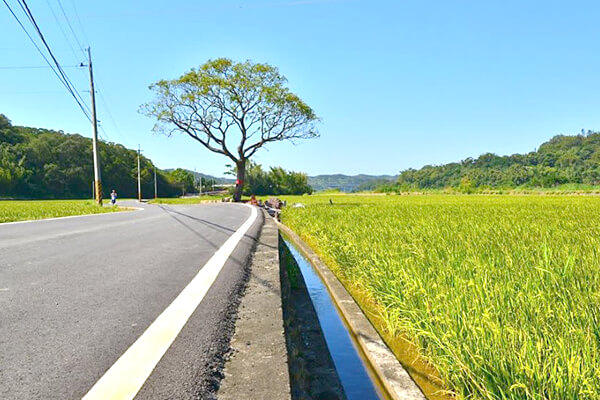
x: 500, y: 293
x: 37, y: 209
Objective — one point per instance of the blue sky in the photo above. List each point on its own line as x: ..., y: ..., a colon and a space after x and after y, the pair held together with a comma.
x: 397, y: 84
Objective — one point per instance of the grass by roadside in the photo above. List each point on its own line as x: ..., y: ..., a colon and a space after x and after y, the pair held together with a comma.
x: 23, y: 210
x: 186, y: 200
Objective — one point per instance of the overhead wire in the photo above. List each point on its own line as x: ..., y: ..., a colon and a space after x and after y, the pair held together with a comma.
x: 70, y: 86
x: 98, y: 89
x: 60, y: 27
x: 69, y: 24
x: 57, y: 68
x: 34, y: 66
x: 60, y: 74
x: 103, y: 136
x: 32, y: 40
x: 110, y: 114
x: 79, y: 21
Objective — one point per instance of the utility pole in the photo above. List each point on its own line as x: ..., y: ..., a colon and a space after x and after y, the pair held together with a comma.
x: 139, y: 176
x: 200, y: 185
x: 155, y: 185
x: 97, y: 179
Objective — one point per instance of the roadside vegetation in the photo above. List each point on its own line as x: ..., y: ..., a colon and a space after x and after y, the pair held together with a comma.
x: 11, y: 211
x: 187, y: 200
x: 564, y: 163
x: 501, y: 294
x: 45, y: 164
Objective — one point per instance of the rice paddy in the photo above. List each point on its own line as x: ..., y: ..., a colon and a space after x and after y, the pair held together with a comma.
x: 500, y: 294
x: 13, y: 210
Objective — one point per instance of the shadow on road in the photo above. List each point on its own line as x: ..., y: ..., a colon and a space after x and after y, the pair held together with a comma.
x: 217, y: 227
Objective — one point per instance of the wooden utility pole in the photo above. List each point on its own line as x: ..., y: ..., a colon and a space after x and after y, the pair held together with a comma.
x: 97, y: 179
x: 139, y: 177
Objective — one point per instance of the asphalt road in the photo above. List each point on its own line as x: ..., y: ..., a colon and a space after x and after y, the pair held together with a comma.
x: 76, y: 293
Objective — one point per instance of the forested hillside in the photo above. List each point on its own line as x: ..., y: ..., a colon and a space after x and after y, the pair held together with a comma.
x: 561, y: 160
x: 348, y: 183
x: 41, y: 163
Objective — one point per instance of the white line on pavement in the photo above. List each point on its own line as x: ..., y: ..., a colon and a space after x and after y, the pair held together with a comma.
x: 127, y: 376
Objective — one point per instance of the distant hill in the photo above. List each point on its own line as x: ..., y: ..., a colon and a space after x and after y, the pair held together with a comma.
x: 561, y: 160
x: 42, y: 163
x: 197, y: 175
x: 345, y: 183
x: 348, y: 183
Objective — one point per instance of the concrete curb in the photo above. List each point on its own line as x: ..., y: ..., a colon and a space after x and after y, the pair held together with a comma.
x: 392, y: 375
x: 258, y: 366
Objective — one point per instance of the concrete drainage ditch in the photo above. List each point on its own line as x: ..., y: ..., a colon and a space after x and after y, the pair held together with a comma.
x: 300, y: 335
x: 323, y: 361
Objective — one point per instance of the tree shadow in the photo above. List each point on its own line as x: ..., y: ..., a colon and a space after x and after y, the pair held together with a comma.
x: 215, y: 226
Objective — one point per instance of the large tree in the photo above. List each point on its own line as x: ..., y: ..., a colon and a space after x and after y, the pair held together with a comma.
x: 233, y: 109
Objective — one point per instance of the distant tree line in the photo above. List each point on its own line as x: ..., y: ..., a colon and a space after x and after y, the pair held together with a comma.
x: 349, y: 183
x: 191, y: 183
x: 41, y: 163
x: 275, y: 181
x: 561, y: 160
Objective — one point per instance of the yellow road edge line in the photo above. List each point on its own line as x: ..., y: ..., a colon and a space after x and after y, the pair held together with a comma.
x: 128, y: 374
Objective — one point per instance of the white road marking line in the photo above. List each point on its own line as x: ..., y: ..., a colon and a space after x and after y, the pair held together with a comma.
x: 127, y: 376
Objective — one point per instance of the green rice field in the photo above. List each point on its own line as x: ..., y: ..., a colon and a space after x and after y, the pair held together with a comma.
x: 16, y: 210
x: 500, y: 294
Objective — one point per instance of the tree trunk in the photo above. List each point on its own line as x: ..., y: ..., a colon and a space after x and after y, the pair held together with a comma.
x: 239, y: 183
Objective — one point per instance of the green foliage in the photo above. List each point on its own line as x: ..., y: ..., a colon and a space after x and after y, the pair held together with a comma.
x: 241, y: 99
x: 188, y: 200
x: 376, y: 185
x: 28, y: 210
x: 276, y: 181
x: 184, y: 179
x: 561, y: 160
x: 500, y: 293
x: 350, y: 183
x: 233, y: 109
x: 40, y: 163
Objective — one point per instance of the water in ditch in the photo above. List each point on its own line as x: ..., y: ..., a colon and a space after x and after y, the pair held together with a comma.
x: 353, y: 373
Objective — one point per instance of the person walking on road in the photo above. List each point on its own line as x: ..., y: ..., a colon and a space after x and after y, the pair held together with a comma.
x: 113, y: 197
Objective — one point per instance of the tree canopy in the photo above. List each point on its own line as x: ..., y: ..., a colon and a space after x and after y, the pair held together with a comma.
x: 233, y: 109
x: 276, y: 181
x: 41, y: 163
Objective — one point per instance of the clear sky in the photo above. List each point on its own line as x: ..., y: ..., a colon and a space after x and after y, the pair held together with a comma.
x: 397, y: 84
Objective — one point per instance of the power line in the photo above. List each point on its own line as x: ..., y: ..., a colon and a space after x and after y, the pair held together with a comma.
x: 37, y: 28
x: 98, y: 90
x: 79, y: 21
x: 105, y: 135
x: 35, y: 44
x: 70, y: 26
x: 107, y: 108
x: 35, y: 66
x: 63, y: 76
x: 61, y: 28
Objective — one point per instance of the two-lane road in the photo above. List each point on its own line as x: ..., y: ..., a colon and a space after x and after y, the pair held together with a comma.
x: 77, y: 293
